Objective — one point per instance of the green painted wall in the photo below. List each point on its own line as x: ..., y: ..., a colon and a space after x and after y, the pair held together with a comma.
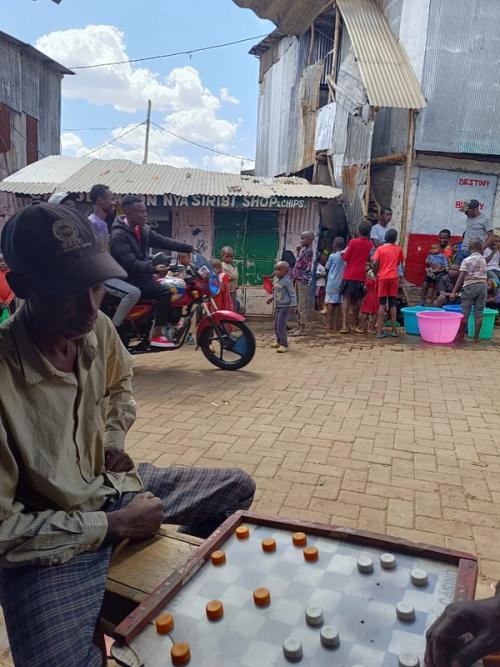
x: 254, y: 237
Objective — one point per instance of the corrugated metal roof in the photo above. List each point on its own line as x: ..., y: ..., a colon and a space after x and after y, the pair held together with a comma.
x: 385, y: 69
x: 35, y: 53
x: 125, y: 177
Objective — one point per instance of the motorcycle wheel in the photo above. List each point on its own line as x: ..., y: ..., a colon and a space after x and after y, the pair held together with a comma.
x: 241, y: 353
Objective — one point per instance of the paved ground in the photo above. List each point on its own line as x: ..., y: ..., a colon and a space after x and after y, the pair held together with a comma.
x: 392, y: 436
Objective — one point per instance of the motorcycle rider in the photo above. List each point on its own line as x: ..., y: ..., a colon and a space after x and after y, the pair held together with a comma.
x: 104, y: 211
x: 131, y: 238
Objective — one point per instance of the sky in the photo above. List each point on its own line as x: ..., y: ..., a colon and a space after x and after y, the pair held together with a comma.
x: 209, y: 98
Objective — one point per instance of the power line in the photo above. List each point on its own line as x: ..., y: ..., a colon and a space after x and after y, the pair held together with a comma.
x: 170, y: 55
x: 85, y: 129
x: 194, y: 143
x: 131, y: 129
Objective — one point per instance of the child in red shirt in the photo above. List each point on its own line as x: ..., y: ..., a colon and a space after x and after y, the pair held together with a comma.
x: 353, y: 285
x: 370, y: 303
x: 223, y: 299
x: 386, y: 261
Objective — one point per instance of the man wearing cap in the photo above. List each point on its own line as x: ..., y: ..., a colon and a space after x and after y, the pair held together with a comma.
x: 478, y: 226
x: 68, y: 490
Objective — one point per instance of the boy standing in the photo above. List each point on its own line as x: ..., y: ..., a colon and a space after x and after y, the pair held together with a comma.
x: 386, y: 260
x: 284, y: 301
x: 302, y: 275
x: 333, y: 298
x: 355, y: 256
x: 472, y: 282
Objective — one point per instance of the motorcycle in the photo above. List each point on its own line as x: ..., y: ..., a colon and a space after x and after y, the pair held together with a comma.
x: 222, y: 335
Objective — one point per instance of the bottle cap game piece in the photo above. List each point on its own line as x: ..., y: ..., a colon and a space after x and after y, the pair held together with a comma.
x: 365, y: 564
x: 215, y: 610
x: 314, y: 616
x: 164, y: 624
x: 262, y: 597
x: 405, y: 612
x: 387, y: 561
x: 408, y: 660
x: 242, y: 532
x: 292, y: 649
x: 311, y: 554
x: 180, y: 654
x: 418, y: 577
x: 268, y: 545
x: 218, y: 557
x: 299, y: 539
x: 329, y: 636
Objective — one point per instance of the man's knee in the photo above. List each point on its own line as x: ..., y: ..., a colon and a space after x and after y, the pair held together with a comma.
x: 245, y: 487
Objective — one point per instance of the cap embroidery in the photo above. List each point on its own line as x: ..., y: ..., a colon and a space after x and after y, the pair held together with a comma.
x: 68, y: 233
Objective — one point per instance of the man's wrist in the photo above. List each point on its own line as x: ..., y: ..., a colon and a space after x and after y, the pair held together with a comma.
x: 115, y: 525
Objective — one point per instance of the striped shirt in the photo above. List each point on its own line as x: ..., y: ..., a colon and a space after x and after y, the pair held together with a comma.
x: 54, y: 427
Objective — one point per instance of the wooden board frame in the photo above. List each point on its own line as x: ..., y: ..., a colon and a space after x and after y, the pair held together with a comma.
x: 132, y: 625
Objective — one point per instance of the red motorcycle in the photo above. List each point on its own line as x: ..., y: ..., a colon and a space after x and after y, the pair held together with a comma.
x: 222, y: 335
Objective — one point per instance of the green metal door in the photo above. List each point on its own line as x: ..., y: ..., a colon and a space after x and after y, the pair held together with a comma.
x: 254, y: 237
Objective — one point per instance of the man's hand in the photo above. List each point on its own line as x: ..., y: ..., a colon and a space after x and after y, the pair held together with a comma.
x: 116, y: 460
x: 466, y: 632
x: 453, y: 296
x: 139, y: 520
x: 270, y: 300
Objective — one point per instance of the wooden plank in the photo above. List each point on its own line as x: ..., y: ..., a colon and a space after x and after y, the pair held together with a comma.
x: 147, y: 610
x: 137, y: 568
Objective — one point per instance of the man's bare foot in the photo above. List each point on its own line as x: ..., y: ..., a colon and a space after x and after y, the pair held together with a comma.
x: 476, y: 340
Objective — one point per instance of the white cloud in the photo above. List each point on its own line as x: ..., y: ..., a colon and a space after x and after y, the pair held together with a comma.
x: 191, y: 110
x: 226, y: 96
x: 227, y: 164
x: 129, y: 147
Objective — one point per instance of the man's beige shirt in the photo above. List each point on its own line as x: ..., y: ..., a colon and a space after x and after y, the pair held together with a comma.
x: 54, y: 427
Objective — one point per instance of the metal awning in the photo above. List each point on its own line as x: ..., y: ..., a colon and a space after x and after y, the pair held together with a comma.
x: 293, y: 17
x: 385, y: 68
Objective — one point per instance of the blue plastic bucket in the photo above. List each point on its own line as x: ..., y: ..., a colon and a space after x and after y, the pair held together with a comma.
x: 410, y: 317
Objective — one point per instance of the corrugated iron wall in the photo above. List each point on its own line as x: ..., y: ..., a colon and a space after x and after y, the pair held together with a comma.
x: 29, y: 87
x: 460, y: 78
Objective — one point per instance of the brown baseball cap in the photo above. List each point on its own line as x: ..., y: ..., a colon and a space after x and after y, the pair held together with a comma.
x: 57, y: 247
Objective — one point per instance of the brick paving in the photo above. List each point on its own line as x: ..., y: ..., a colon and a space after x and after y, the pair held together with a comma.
x: 391, y: 436
x: 395, y: 436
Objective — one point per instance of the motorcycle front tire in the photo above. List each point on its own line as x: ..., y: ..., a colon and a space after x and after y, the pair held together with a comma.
x: 209, y: 336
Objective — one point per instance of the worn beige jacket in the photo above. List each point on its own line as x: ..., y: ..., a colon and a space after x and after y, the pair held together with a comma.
x: 54, y: 427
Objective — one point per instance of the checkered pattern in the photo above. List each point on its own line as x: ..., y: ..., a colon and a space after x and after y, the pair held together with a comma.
x: 362, y: 607
x: 51, y: 612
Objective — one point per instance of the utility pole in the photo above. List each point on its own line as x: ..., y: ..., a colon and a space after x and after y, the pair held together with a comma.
x: 148, y: 128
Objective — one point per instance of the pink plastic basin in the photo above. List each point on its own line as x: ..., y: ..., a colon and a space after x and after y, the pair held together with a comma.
x: 439, y: 326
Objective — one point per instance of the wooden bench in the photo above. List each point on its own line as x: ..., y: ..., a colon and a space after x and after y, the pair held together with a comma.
x: 137, y: 568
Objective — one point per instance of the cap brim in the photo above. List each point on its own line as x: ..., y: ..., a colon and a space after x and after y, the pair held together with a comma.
x: 79, y: 274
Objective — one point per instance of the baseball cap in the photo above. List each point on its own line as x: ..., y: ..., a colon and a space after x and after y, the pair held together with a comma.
x: 58, y: 197
x: 58, y: 248
x: 472, y: 203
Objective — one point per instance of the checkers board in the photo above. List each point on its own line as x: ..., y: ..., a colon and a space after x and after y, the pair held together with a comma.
x: 362, y: 607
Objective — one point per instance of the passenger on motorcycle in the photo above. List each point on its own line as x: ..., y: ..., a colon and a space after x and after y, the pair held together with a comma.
x: 131, y: 239
x: 104, y: 212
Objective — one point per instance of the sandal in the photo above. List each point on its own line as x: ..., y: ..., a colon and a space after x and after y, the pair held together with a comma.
x: 359, y: 330
x: 394, y: 334
x: 344, y: 331
x: 382, y: 335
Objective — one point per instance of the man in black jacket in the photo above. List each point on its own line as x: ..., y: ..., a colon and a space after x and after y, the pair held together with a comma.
x: 131, y: 238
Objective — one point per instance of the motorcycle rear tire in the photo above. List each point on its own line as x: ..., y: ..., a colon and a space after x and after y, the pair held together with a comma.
x: 209, y: 335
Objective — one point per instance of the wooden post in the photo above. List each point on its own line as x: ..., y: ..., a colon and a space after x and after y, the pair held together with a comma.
x: 407, y: 184
x: 148, y: 129
x: 336, y: 45
x: 311, y: 45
